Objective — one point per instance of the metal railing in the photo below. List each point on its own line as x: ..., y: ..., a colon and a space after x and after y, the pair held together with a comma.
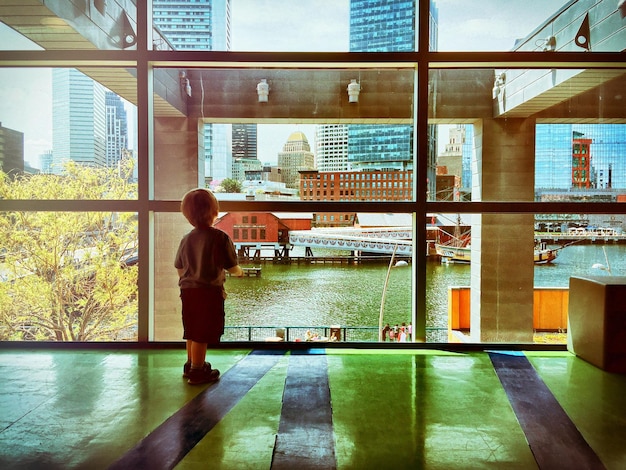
x: 321, y: 333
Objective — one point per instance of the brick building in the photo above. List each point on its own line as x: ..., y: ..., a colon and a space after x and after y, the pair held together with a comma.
x: 392, y: 185
x: 356, y: 185
x: 262, y: 228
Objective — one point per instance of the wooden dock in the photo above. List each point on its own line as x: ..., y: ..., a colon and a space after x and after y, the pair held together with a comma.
x: 320, y: 260
x: 249, y: 272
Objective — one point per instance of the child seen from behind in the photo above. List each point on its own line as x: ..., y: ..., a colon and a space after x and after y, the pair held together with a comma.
x: 203, y: 257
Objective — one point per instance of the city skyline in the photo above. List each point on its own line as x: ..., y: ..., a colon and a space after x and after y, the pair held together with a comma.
x: 266, y: 25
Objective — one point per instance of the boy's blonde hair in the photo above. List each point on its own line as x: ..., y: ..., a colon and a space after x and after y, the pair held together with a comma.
x: 200, y: 207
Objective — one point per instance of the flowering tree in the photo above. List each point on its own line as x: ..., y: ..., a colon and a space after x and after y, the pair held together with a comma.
x: 64, y: 274
x: 231, y: 185
x: 227, y: 185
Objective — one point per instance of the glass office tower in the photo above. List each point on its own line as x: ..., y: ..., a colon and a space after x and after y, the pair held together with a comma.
x: 79, y: 117
x: 117, y: 129
x: 201, y: 25
x: 607, y: 152
x: 198, y: 25
x: 381, y: 26
x: 554, y: 89
x: 387, y: 26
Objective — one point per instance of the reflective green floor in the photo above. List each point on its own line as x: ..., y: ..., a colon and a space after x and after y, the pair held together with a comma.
x: 334, y: 408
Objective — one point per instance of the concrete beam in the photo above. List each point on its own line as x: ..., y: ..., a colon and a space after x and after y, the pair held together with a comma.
x: 320, y: 96
x: 607, y: 29
x: 308, y: 95
x: 73, y: 25
x: 522, y: 93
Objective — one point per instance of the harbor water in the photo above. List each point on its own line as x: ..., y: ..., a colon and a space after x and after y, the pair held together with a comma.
x: 350, y: 294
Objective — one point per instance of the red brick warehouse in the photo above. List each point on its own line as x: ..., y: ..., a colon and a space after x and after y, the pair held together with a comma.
x: 258, y: 230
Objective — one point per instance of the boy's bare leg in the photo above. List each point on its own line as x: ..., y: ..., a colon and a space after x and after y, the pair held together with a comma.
x: 198, y: 354
x: 189, y: 351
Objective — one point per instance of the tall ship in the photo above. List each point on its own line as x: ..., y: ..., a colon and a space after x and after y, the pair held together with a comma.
x: 457, y: 248
x: 462, y: 254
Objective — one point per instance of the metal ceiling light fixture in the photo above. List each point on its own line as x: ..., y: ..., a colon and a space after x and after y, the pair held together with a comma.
x: 263, y: 90
x: 354, y: 88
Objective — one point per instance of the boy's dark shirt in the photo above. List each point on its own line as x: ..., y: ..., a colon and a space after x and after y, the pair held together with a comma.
x: 204, y: 254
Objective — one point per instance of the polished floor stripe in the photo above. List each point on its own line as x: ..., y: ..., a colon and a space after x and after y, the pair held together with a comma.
x: 417, y: 409
x: 552, y: 436
x: 170, y: 442
x: 305, y: 437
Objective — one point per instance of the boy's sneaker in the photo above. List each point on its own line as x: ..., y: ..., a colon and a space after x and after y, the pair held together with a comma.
x: 187, y: 368
x: 203, y: 376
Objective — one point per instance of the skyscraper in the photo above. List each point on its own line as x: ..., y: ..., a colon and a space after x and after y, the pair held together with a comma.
x: 555, y: 153
x: 385, y: 26
x: 79, y: 120
x: 244, y: 140
x: 382, y: 25
x: 295, y: 157
x: 201, y: 25
x: 11, y: 151
x: 194, y: 25
x: 45, y: 161
x: 117, y: 129
x: 331, y: 147
x: 468, y: 152
x: 244, y: 148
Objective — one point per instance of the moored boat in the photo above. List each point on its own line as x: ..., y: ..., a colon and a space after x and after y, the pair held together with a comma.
x: 454, y: 254
x: 462, y: 254
x: 544, y: 255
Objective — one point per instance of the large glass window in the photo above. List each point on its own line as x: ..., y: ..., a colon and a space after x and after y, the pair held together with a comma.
x: 371, y: 129
x: 68, y: 276
x: 325, y: 128
x: 65, y: 126
x: 540, y: 118
x: 331, y: 25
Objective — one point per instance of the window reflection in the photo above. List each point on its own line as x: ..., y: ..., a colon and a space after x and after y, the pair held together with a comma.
x: 536, y: 115
x: 239, y: 151
x: 580, y: 162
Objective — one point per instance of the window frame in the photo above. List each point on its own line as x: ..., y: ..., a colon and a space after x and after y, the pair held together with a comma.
x: 144, y: 61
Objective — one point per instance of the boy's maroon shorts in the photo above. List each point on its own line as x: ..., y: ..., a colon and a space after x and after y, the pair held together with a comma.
x: 203, y: 314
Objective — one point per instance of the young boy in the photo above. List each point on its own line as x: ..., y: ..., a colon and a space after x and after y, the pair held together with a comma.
x: 202, y: 258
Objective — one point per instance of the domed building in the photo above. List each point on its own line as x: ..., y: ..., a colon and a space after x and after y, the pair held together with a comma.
x: 296, y: 156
